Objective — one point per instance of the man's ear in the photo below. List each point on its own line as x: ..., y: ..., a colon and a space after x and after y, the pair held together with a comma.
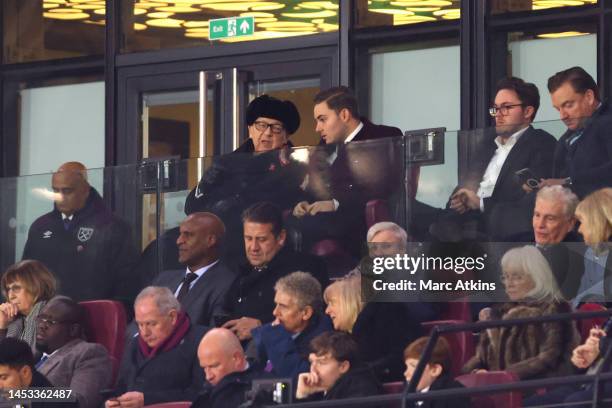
x: 308, y: 312
x: 25, y: 373
x: 572, y: 224
x: 345, y: 115
x: 435, y: 370
x: 529, y: 113
x: 282, y: 236
x: 345, y: 366
x: 590, y: 96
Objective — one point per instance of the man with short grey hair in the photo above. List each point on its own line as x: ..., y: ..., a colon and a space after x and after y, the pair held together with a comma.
x: 282, y: 346
x: 553, y: 232
x: 387, y: 239
x: 160, y: 364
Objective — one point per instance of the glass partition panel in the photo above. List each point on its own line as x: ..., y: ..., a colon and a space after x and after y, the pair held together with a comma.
x: 155, y: 25
x: 412, y: 88
x: 35, y: 30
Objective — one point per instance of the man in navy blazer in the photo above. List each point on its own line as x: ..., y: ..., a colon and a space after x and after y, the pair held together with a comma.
x: 583, y: 157
x: 490, y: 193
x: 202, y: 286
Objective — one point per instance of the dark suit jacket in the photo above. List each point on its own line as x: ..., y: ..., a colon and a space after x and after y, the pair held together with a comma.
x: 83, y: 367
x: 588, y: 161
x: 230, y: 392
x: 206, y: 298
x: 173, y: 375
x: 443, y: 383
x: 509, y: 209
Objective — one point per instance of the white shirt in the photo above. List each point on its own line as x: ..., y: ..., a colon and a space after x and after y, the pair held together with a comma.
x: 198, y: 272
x: 487, y: 185
x: 69, y: 217
x: 332, y: 157
x: 419, y: 403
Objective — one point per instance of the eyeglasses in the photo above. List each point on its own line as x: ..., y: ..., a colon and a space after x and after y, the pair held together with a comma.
x: 49, y: 322
x: 504, y: 109
x: 512, y: 277
x: 14, y: 288
x: 263, y: 126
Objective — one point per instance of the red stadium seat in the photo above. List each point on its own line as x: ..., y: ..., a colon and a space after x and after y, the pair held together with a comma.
x: 174, y: 404
x: 457, y: 310
x: 461, y: 343
x: 105, y: 324
x: 509, y: 399
x: 585, y: 325
x: 377, y: 211
x: 338, y: 261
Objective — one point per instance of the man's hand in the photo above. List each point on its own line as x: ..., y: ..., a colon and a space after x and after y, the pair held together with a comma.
x: 301, y: 209
x: 321, y: 206
x: 8, y: 312
x: 551, y: 182
x: 242, y: 327
x: 132, y: 399
x: 308, y: 383
x: 464, y: 200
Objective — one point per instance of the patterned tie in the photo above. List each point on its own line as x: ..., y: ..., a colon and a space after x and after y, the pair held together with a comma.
x: 189, y: 277
x: 42, y: 361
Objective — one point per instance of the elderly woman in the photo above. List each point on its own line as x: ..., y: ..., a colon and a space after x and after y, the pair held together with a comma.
x: 381, y: 330
x: 595, y: 216
x: 27, y: 285
x: 534, y: 350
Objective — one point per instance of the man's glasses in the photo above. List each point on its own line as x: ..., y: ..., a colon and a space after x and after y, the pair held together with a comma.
x: 263, y: 126
x: 504, y: 109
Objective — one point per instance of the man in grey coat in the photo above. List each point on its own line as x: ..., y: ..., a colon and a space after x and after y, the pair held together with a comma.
x: 67, y: 361
x: 202, y: 286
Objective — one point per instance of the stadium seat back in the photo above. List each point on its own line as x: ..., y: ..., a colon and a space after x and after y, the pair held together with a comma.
x: 461, y: 343
x: 509, y: 399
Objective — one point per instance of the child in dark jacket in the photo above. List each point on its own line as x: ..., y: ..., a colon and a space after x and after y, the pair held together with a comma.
x: 436, y: 375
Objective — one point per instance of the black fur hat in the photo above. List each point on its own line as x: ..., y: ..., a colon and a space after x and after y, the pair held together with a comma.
x: 273, y: 108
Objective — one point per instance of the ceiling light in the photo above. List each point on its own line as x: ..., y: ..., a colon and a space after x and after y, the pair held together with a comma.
x: 160, y: 14
x: 422, y: 9
x: 101, y: 12
x: 66, y: 16
x: 401, y: 20
x: 64, y: 10
x: 272, y: 6
x: 392, y: 11
x: 316, y: 14
x: 562, y: 34
x: 423, y: 3
x: 164, y: 23
x: 86, y: 6
x: 140, y: 27
x: 179, y: 9
x: 191, y: 24
x: 318, y: 5
x: 243, y: 6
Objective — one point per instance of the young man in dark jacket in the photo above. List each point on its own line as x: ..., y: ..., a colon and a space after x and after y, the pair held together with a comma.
x: 335, y: 370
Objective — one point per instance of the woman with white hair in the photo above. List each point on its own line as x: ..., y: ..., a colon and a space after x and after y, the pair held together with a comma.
x: 533, y: 350
x: 381, y: 329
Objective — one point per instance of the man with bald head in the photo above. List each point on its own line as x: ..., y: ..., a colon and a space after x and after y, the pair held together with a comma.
x: 227, y: 372
x: 202, y: 286
x: 87, y: 248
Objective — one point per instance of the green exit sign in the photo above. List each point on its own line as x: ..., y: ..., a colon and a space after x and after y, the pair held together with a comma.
x: 231, y: 27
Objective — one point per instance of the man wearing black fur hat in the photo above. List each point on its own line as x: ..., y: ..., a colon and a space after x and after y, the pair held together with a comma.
x: 259, y: 170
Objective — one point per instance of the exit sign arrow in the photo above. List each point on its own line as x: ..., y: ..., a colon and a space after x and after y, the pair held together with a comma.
x: 221, y: 28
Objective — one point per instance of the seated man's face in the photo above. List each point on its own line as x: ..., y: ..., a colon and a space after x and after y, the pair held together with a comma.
x: 260, y: 243
x: 153, y: 326
x: 216, y: 364
x: 52, y: 327
x: 574, y: 107
x: 386, y: 243
x: 550, y: 224
x: 328, y: 369
x: 289, y: 314
x: 273, y: 136
x: 11, y: 378
x: 430, y: 373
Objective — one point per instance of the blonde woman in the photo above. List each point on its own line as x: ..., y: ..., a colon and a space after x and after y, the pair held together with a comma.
x: 27, y: 286
x: 595, y: 216
x: 534, y: 350
x: 382, y: 330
